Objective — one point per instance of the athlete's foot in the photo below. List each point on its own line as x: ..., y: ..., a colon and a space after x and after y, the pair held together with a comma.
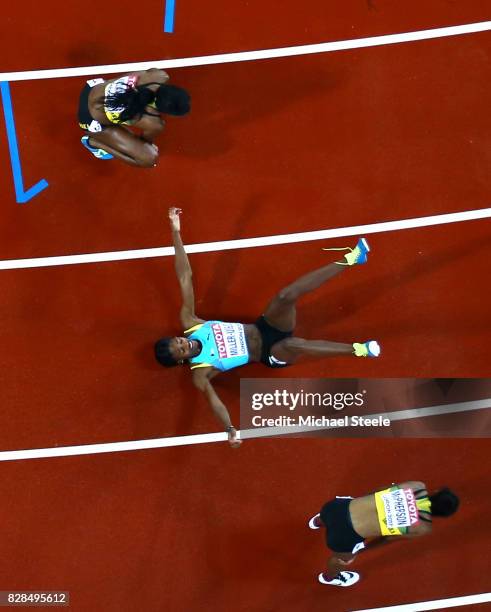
x: 343, y: 579
x: 96, y: 152
x: 315, y: 522
x: 366, y: 349
x: 358, y: 255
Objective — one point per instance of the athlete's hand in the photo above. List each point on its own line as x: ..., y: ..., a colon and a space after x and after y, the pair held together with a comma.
x: 175, y: 222
x: 232, y: 438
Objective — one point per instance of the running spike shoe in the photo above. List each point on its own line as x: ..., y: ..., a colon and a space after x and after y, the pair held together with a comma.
x: 99, y: 153
x: 358, y: 255
x: 371, y: 348
x: 343, y: 579
x: 315, y: 522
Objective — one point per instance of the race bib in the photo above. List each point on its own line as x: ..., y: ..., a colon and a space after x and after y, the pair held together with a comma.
x: 399, y: 508
x: 230, y: 340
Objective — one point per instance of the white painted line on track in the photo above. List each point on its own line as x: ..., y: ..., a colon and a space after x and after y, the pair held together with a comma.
x: 437, y: 604
x: 247, y: 243
x: 111, y: 447
x: 118, y: 447
x: 247, y: 56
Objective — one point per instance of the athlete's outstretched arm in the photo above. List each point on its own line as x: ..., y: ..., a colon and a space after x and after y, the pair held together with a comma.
x: 183, y: 272
x: 201, y: 380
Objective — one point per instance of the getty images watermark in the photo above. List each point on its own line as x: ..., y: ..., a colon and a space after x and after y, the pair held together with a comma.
x: 366, y: 407
x: 303, y: 403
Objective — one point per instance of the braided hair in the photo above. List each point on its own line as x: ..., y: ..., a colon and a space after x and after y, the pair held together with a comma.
x: 131, y: 102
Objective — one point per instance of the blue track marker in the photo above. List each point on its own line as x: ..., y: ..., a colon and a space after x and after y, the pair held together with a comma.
x: 21, y: 196
x: 169, y: 16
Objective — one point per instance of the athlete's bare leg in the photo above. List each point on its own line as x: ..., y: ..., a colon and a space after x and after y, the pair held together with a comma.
x: 281, y: 311
x: 334, y: 566
x: 126, y: 146
x: 291, y: 349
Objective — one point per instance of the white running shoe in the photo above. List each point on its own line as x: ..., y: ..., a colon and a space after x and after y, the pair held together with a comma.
x: 343, y: 579
x: 312, y: 522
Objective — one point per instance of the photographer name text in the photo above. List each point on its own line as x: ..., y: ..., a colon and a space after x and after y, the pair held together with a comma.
x: 322, y: 421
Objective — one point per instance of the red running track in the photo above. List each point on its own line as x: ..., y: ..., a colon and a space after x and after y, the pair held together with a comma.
x: 271, y: 147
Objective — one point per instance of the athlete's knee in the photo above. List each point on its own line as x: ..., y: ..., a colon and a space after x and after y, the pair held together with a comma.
x: 146, y: 156
x: 146, y: 162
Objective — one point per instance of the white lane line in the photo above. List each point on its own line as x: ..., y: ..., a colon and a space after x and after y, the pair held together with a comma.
x: 247, y: 243
x: 397, y: 415
x: 247, y: 56
x: 118, y: 447
x: 111, y: 447
x: 437, y: 604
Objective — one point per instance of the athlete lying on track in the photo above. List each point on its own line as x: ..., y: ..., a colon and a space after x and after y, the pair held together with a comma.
x: 401, y: 511
x: 210, y: 347
x: 135, y: 100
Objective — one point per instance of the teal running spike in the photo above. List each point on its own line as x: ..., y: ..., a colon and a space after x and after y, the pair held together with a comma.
x: 99, y: 153
x: 358, y: 255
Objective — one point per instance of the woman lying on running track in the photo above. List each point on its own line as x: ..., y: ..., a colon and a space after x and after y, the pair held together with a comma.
x: 210, y: 347
x: 400, y: 511
x: 135, y: 100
